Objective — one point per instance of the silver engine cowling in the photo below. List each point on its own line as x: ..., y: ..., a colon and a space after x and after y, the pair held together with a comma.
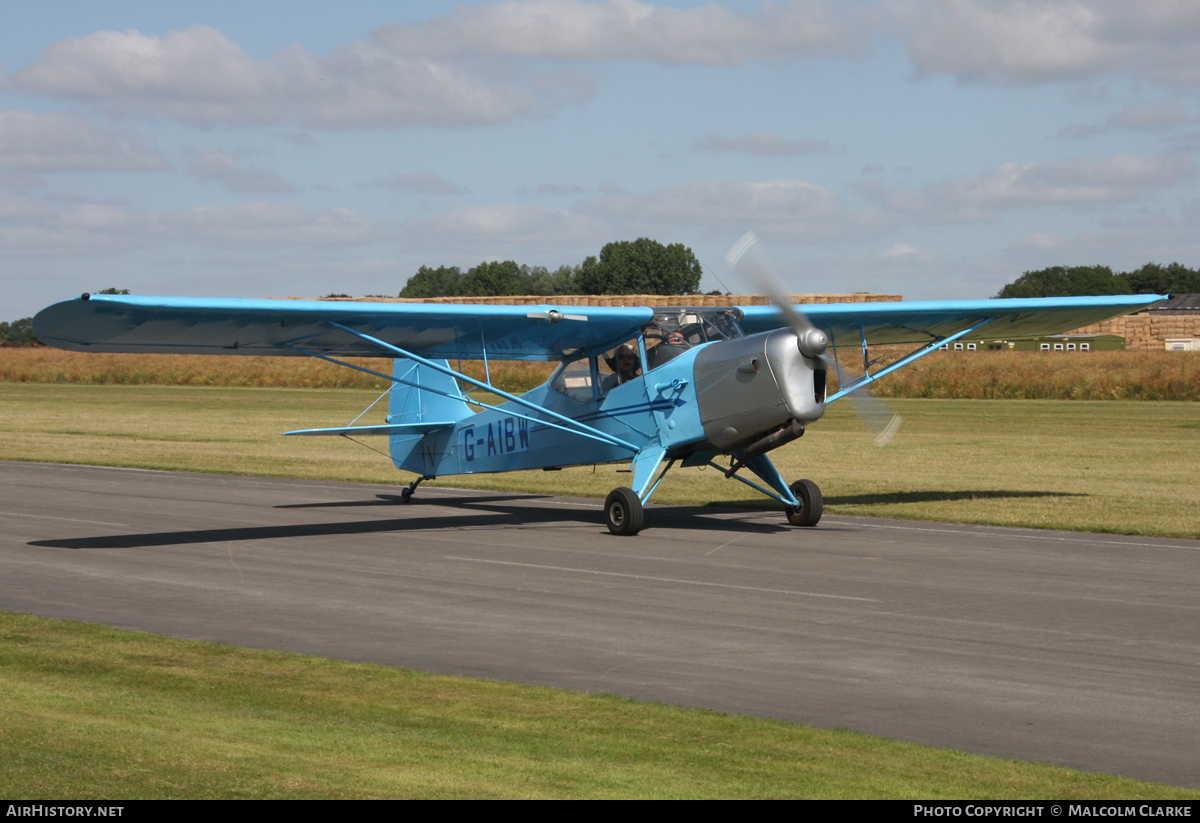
x: 752, y: 386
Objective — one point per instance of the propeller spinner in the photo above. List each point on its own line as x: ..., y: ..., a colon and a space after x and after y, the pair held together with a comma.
x: 748, y: 259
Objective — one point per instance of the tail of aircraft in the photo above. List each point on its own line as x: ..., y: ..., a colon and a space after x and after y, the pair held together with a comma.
x: 426, y: 398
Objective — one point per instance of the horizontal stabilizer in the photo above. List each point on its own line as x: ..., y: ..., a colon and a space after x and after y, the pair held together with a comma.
x: 397, y: 428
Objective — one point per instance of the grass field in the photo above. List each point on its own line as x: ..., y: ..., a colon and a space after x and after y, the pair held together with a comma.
x: 93, y: 712
x: 1117, y: 466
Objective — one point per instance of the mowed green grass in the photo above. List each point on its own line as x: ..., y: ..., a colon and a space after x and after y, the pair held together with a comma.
x: 1114, y: 466
x: 94, y: 712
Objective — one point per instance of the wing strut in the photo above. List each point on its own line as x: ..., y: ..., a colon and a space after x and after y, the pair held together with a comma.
x: 867, y: 379
x: 572, y: 426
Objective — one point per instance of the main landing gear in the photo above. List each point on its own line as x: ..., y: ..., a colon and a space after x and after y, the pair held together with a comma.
x: 623, y: 513
x: 811, y: 503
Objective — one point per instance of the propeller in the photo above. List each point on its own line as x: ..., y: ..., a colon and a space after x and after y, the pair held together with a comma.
x: 748, y: 259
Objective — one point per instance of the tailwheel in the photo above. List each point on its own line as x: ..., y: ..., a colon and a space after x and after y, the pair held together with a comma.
x: 407, y: 493
x: 811, y: 504
x: 623, y: 513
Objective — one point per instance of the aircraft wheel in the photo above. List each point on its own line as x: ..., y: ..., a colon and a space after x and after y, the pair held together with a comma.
x: 623, y: 513
x: 811, y: 504
x: 406, y: 495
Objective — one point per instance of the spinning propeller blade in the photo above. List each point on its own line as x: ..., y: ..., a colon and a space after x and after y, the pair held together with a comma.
x: 747, y: 258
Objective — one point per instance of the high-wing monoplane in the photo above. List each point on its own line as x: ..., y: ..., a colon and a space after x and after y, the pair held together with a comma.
x: 652, y: 387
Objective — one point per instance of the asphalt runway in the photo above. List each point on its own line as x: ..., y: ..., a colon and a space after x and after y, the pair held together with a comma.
x: 1078, y: 649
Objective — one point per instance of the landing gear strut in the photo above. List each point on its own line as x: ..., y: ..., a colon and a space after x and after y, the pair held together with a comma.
x: 623, y: 513
x: 809, y: 511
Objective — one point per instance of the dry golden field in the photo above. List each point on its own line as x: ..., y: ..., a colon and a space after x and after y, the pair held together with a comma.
x: 39, y: 364
x: 981, y: 375
x: 1026, y: 375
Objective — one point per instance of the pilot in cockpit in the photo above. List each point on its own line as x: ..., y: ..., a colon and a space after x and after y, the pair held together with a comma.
x: 627, y: 367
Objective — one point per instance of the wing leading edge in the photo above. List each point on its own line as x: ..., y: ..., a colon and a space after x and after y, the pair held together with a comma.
x: 186, y: 325
x: 916, y: 323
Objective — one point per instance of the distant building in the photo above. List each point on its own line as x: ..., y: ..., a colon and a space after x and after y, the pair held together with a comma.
x: 1173, y: 325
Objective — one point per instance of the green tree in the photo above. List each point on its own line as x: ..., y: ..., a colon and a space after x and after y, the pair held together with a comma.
x: 19, y: 333
x: 1155, y: 279
x: 642, y: 266
x: 542, y: 281
x: 490, y: 279
x: 1063, y: 281
x: 440, y: 282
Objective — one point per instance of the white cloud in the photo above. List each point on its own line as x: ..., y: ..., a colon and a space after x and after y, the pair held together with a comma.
x: 781, y: 209
x: 486, y: 64
x: 559, y: 188
x: 1039, y: 41
x: 1124, y: 244
x: 49, y: 142
x: 200, y: 77
x: 573, y: 30
x: 1165, y: 114
x: 786, y: 211
x: 763, y: 144
x: 422, y: 182
x: 28, y: 228
x: 905, y: 251
x: 474, y: 66
x: 18, y: 208
x: 16, y: 179
x: 217, y: 166
x: 266, y: 224
x: 1079, y: 131
x: 1155, y: 116
x: 1039, y: 242
x: 507, y: 225
x: 1080, y: 181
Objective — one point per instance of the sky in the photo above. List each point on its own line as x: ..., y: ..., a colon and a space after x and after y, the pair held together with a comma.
x: 935, y: 149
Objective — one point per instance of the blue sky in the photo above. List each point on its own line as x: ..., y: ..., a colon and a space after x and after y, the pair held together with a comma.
x: 933, y: 149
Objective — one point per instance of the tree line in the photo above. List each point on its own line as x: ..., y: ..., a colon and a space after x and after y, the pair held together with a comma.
x: 1079, y: 281
x: 641, y: 266
x: 18, y: 333
x: 645, y: 266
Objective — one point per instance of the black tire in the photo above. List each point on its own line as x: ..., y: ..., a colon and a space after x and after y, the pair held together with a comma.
x: 406, y: 495
x: 811, y: 504
x: 623, y: 513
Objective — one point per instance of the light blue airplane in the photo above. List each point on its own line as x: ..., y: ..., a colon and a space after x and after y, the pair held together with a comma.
x: 651, y: 387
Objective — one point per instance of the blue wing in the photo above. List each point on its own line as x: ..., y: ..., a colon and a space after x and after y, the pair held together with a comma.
x: 927, y: 322
x: 182, y: 325
x: 185, y: 325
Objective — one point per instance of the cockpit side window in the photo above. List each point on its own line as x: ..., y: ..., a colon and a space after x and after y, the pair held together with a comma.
x: 575, y: 380
x: 699, y: 325
x: 675, y: 330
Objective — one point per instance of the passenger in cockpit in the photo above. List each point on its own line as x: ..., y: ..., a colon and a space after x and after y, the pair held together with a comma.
x: 673, y: 344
